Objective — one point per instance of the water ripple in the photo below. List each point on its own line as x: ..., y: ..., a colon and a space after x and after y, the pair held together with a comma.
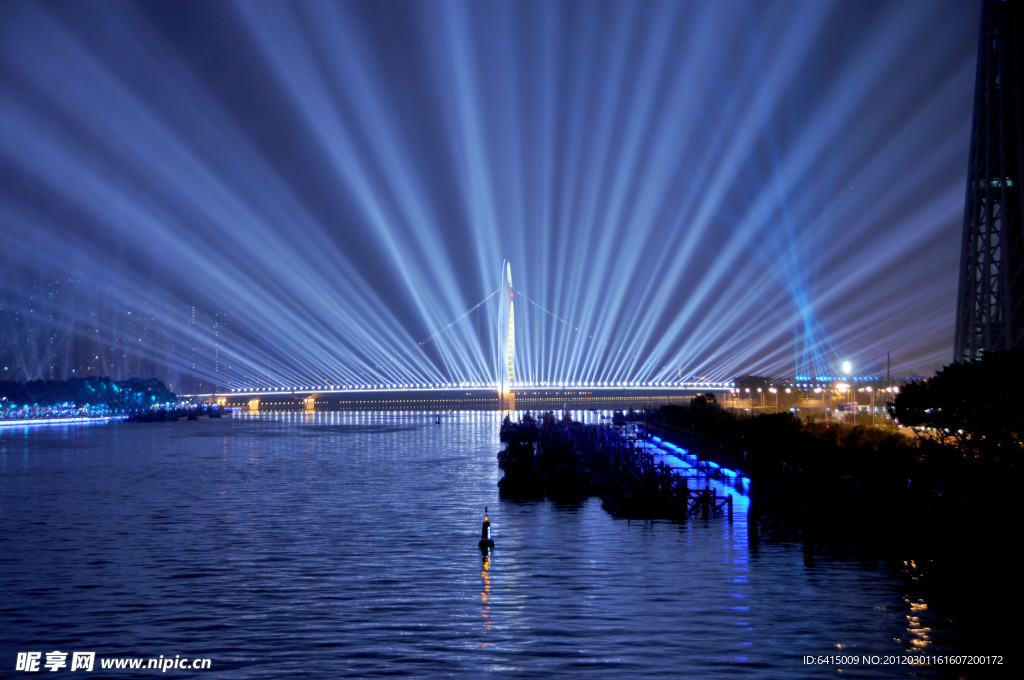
x: 344, y: 545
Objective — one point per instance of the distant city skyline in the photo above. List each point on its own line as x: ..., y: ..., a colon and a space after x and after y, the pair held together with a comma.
x: 682, y: 189
x: 66, y: 328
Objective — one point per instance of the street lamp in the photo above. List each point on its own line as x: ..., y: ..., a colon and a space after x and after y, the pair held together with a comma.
x: 844, y: 388
x: 776, y: 393
x: 891, y: 392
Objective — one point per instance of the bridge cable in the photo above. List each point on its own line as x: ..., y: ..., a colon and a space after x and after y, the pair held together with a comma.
x: 628, y: 351
x: 435, y: 335
x: 573, y: 326
x: 451, y: 324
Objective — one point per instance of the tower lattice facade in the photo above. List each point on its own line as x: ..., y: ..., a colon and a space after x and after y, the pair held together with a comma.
x: 990, y: 305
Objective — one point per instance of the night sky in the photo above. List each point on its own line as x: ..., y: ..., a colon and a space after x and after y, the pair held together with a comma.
x: 303, y: 193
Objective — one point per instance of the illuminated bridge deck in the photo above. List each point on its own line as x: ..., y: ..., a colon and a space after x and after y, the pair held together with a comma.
x: 468, y: 398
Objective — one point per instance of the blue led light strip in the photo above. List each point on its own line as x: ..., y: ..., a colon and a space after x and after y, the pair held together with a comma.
x: 33, y: 422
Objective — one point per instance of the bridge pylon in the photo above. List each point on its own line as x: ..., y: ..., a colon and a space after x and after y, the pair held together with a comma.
x: 506, y: 339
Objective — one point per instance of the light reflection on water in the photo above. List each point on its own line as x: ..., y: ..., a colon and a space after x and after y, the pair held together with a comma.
x: 484, y: 597
x: 345, y: 544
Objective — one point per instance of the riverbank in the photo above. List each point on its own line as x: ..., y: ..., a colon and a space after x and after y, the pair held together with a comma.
x: 79, y: 398
x: 838, y: 482
x: 60, y: 420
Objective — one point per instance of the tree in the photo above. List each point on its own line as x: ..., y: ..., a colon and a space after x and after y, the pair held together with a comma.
x: 977, y: 406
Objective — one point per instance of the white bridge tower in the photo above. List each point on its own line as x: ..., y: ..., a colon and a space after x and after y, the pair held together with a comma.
x: 506, y: 335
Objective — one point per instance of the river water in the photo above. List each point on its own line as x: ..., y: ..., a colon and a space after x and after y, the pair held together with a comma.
x: 345, y: 545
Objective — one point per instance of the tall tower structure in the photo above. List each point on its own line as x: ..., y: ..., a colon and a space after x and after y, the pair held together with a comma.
x: 990, y: 304
x: 506, y: 333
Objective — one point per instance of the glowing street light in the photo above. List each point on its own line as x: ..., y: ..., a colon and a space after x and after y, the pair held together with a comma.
x: 871, y: 392
x: 844, y: 389
x: 824, y: 409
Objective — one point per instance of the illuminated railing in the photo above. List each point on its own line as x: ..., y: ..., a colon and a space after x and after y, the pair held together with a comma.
x: 77, y: 420
x: 476, y: 387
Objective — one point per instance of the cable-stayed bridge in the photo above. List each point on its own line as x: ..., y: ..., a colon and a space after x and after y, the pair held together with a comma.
x: 505, y: 392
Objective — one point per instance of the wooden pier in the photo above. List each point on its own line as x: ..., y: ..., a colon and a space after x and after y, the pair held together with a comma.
x: 564, y: 459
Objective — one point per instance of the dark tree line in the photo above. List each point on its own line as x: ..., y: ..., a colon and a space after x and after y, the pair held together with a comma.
x: 978, y: 406
x: 126, y: 395
x: 809, y: 447
x: 873, y: 464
